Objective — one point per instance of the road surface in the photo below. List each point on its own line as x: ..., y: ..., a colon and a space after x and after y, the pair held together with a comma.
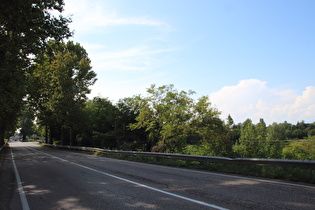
x: 45, y: 178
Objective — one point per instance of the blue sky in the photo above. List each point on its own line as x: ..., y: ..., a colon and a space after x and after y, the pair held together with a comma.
x: 253, y: 58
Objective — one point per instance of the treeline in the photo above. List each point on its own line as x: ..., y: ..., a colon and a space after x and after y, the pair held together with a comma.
x: 168, y: 120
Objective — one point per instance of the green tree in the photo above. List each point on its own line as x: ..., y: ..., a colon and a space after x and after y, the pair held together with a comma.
x: 26, y: 122
x: 25, y: 27
x: 129, y: 109
x: 230, y: 122
x: 102, y: 122
x: 60, y: 83
x: 261, y: 130
x: 276, y: 131
x: 210, y: 129
x: 246, y: 145
x: 165, y: 114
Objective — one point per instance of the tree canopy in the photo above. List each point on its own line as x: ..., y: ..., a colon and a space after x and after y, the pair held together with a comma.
x: 58, y: 86
x: 25, y: 28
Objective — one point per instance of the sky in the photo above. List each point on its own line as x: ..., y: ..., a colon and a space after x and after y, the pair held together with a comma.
x: 254, y: 59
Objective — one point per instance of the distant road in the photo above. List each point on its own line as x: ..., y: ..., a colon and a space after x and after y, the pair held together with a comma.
x: 57, y: 179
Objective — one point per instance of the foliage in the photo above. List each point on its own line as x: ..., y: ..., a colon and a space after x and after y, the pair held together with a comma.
x: 172, y: 118
x: 25, y: 27
x: 129, y: 109
x: 300, y: 150
x: 260, y: 141
x: 26, y: 122
x: 165, y: 115
x: 60, y: 82
x: 246, y: 145
x: 213, y: 134
x: 102, y: 115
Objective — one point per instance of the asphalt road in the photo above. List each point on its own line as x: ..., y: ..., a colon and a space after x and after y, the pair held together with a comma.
x: 45, y: 178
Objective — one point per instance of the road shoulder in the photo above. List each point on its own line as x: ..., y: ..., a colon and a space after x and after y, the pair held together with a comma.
x: 7, y: 181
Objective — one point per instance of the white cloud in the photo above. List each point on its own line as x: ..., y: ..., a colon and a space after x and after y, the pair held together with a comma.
x: 88, y: 16
x: 141, y: 58
x: 253, y: 99
x: 94, y: 18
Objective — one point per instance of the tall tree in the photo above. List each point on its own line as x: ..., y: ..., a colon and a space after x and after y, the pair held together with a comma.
x: 25, y: 27
x: 26, y: 122
x: 246, y: 145
x: 230, y: 122
x: 61, y: 82
x: 211, y: 130
x: 261, y: 130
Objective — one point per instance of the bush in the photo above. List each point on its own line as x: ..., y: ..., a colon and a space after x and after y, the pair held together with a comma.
x: 300, y: 150
x: 57, y: 143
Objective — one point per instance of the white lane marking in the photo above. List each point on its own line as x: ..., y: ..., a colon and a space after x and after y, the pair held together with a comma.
x: 25, y: 205
x: 135, y: 183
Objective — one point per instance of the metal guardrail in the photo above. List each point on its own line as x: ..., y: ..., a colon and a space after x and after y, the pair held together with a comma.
x: 306, y: 164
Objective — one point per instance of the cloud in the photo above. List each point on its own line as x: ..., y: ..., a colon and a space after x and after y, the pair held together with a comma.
x: 88, y: 16
x: 94, y: 18
x: 253, y: 99
x: 141, y: 58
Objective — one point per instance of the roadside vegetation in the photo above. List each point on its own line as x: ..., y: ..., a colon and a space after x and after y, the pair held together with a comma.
x: 168, y: 120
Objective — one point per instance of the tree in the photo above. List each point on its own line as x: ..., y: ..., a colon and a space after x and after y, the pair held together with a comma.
x: 213, y: 134
x: 261, y: 130
x: 165, y: 115
x: 246, y: 143
x: 230, y: 122
x: 102, y: 122
x: 25, y: 27
x: 129, y: 109
x: 60, y: 83
x: 26, y: 122
x: 234, y: 131
x: 276, y: 131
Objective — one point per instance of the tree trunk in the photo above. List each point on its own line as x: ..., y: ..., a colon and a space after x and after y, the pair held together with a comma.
x: 46, y: 134
x: 50, y: 136
x: 71, y: 137
x: 62, y: 137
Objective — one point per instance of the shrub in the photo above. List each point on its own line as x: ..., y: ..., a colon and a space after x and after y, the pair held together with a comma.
x: 300, y: 150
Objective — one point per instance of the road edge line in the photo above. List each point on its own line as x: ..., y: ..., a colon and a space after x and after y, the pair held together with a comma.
x: 23, y: 198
